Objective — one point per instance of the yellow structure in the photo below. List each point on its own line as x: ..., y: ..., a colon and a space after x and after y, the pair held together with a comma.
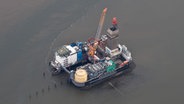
x: 81, y: 76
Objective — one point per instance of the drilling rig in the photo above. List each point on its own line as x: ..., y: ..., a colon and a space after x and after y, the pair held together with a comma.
x: 89, y: 63
x: 93, y: 45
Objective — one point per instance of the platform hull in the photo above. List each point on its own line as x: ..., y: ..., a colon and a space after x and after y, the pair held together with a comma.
x: 100, y: 79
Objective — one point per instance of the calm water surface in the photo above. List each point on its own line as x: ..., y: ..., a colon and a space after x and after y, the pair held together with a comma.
x: 30, y: 31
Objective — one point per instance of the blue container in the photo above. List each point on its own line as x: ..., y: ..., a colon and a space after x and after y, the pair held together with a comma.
x: 79, y: 44
x: 73, y: 44
x: 79, y: 55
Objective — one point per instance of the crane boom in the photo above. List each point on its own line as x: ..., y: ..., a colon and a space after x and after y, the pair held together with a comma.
x: 93, y: 47
x: 100, y: 26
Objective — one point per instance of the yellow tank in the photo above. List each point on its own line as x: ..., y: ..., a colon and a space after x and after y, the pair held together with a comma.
x: 81, y: 76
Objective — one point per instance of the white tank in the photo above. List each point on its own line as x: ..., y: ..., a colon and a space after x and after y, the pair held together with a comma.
x: 81, y: 76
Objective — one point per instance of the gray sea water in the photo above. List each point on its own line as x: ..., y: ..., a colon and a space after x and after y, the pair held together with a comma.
x: 30, y: 32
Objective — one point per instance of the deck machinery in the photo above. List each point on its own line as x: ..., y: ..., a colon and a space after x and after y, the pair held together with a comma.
x: 94, y: 61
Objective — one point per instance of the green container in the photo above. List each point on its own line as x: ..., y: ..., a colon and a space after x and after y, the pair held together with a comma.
x: 111, y: 66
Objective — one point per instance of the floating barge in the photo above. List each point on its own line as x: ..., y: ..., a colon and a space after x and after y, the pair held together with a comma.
x: 100, y: 58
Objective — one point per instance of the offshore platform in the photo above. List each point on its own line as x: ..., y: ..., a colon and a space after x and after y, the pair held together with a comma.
x: 100, y: 58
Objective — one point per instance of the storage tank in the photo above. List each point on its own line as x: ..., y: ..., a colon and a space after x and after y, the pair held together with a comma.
x: 81, y: 76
